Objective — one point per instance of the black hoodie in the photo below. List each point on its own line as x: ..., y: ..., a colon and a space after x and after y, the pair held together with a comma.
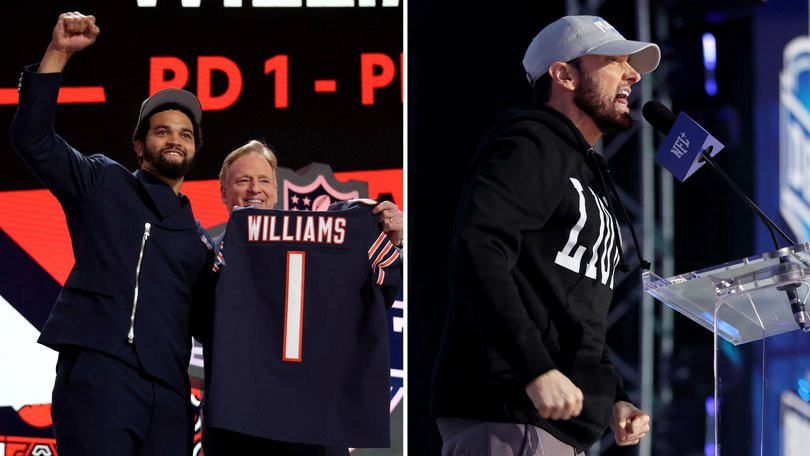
x: 531, y: 268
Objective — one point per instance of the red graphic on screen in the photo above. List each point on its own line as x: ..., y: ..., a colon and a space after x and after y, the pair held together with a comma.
x: 37, y: 415
x: 89, y: 94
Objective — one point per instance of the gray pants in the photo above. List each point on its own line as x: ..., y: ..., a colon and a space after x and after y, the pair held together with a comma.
x: 462, y: 437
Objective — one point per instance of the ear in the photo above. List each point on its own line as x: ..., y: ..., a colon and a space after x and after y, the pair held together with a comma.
x: 222, y: 194
x: 138, y: 145
x: 563, y: 74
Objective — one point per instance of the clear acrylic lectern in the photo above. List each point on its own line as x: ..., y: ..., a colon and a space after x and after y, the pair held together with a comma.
x: 745, y: 301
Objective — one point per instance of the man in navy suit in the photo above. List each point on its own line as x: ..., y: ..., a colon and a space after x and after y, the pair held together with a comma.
x: 123, y: 321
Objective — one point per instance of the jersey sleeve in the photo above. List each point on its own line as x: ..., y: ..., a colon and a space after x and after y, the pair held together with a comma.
x: 383, y: 255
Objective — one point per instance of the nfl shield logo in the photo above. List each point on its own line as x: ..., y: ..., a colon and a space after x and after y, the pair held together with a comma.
x: 314, y: 188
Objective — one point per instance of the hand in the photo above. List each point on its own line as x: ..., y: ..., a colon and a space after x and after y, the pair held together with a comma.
x: 74, y: 32
x: 554, y: 396
x: 629, y: 423
x: 391, y: 220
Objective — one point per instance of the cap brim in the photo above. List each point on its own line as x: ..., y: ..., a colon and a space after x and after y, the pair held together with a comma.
x: 644, y: 57
x: 182, y: 97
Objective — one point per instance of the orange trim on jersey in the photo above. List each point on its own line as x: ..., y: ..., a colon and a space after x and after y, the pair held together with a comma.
x: 303, y: 256
x: 388, y: 247
x: 390, y: 260
x: 380, y: 239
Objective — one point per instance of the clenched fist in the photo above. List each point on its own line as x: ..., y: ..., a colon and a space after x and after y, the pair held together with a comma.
x: 554, y: 396
x: 74, y: 32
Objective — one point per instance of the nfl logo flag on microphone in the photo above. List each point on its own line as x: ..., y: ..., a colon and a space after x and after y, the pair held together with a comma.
x: 680, y: 152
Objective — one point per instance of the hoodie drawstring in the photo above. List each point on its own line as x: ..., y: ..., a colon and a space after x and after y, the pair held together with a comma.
x: 610, y: 190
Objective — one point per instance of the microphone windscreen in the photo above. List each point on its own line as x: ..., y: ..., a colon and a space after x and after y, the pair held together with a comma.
x: 659, y: 116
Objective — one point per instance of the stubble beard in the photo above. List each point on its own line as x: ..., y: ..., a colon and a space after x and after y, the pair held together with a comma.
x: 601, y: 109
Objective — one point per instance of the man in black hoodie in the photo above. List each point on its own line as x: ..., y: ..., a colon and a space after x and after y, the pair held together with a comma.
x: 523, y: 367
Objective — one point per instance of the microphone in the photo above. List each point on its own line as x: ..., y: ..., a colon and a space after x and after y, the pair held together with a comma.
x: 659, y: 116
x: 681, y: 152
x: 685, y: 149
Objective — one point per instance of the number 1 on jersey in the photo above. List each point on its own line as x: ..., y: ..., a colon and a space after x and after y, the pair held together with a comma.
x: 294, y: 306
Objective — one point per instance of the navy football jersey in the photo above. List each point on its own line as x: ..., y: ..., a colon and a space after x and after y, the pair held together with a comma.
x: 299, y: 348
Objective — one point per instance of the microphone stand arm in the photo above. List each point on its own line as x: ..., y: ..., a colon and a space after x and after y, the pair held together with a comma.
x: 705, y: 156
x: 796, y: 305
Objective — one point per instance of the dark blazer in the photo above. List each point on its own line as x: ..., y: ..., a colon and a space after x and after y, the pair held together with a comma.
x: 141, y: 258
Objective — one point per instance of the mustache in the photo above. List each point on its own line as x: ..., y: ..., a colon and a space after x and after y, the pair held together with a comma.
x: 174, y: 149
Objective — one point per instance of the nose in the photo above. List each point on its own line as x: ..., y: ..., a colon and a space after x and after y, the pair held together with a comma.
x: 631, y: 74
x: 253, y: 186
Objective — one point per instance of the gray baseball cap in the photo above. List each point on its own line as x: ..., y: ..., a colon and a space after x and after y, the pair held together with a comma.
x: 574, y: 36
x: 182, y: 97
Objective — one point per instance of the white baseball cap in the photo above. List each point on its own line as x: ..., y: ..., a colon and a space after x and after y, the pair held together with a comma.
x: 574, y: 36
x: 182, y: 97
